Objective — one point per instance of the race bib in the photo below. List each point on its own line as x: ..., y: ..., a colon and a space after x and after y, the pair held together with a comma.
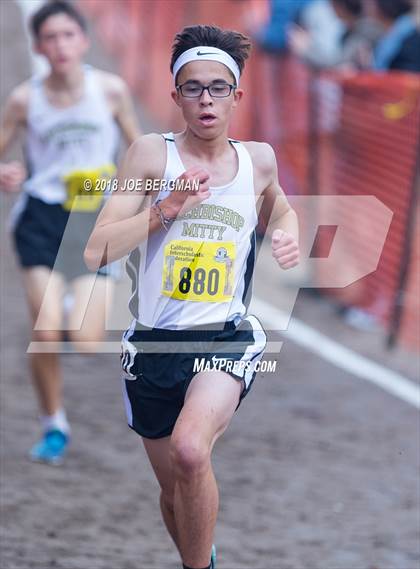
x: 85, y: 188
x: 198, y: 271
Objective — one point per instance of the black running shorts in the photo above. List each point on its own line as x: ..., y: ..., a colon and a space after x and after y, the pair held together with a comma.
x: 158, y: 366
x: 38, y: 234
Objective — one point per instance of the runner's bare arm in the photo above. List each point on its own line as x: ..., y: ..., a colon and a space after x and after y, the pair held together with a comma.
x: 276, y: 211
x: 278, y: 216
x: 126, y: 116
x: 13, y: 173
x: 127, y: 217
x: 13, y: 116
x: 122, y: 105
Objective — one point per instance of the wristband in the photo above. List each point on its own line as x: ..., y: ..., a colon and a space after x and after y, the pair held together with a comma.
x: 165, y: 221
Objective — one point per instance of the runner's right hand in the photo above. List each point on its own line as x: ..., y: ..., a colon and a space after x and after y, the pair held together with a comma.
x: 11, y: 176
x: 179, y: 202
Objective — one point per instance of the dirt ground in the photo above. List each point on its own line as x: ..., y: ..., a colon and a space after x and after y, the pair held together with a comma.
x: 318, y: 470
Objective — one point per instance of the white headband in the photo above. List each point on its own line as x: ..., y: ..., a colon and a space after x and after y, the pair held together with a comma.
x: 209, y: 53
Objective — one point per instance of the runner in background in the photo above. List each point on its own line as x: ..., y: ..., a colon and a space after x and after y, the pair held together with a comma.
x: 72, y: 119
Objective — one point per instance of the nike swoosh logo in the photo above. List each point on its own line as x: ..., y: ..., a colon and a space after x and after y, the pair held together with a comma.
x: 206, y: 52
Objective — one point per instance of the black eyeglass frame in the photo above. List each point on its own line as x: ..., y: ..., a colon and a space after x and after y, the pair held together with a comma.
x: 207, y: 88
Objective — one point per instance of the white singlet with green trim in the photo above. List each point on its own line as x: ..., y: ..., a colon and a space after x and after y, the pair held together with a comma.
x: 66, y: 145
x: 199, y: 271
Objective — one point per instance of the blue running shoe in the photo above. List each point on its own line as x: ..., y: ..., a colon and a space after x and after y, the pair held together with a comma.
x: 213, y: 557
x: 51, y: 448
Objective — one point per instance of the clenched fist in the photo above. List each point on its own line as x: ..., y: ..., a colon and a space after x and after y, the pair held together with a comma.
x: 285, y: 249
x: 179, y: 202
x: 11, y: 176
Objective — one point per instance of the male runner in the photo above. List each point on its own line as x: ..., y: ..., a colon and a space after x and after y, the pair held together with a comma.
x: 191, y: 260
x: 71, y: 118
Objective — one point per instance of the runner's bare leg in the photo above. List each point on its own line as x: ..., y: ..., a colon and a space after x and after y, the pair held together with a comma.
x: 210, y: 403
x: 45, y: 367
x: 158, y: 451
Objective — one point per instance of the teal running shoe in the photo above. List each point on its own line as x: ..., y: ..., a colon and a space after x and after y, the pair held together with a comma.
x: 213, y: 557
x: 51, y: 448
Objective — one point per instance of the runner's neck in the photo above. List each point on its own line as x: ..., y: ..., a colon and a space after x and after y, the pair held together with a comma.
x: 208, y: 150
x: 68, y: 82
x: 65, y: 90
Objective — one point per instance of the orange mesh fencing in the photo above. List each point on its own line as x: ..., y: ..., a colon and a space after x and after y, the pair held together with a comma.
x: 369, y: 146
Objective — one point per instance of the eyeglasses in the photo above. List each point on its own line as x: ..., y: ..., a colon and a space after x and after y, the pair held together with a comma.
x: 195, y: 90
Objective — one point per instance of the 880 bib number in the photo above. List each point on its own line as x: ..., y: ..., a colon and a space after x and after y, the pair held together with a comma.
x: 199, y: 283
x: 199, y: 272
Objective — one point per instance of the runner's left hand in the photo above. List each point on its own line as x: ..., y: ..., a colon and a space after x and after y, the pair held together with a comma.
x: 285, y: 249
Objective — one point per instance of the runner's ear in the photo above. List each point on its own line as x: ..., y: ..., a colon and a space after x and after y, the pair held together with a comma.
x: 175, y: 97
x: 36, y: 48
x: 237, y: 96
x: 86, y: 41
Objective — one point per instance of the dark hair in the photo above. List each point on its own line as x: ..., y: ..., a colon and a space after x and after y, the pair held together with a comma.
x: 51, y: 9
x: 234, y: 43
x: 393, y: 9
x: 354, y: 7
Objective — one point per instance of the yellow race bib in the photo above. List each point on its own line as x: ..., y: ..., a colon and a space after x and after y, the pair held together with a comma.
x: 85, y: 188
x: 199, y: 271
